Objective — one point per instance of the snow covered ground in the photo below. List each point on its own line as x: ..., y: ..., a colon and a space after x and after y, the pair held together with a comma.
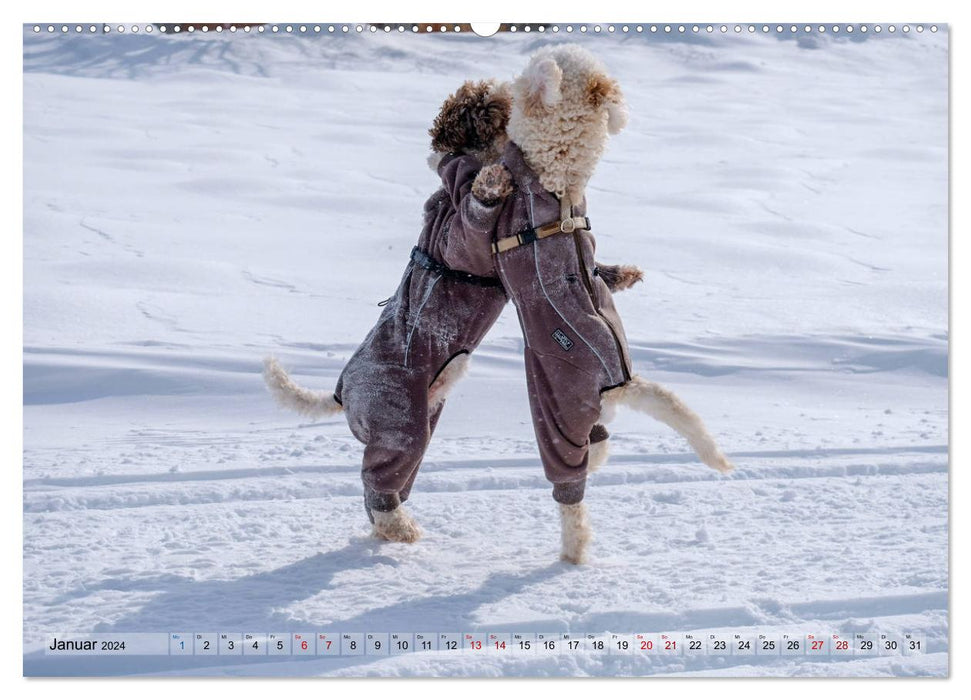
x: 193, y: 203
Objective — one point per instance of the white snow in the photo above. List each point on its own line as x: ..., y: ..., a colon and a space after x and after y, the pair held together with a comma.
x: 193, y: 203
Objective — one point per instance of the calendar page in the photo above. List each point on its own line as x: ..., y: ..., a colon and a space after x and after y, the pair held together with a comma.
x: 519, y: 350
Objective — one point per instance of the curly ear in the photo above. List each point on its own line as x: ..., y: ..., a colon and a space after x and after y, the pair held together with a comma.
x: 601, y: 89
x: 450, y: 130
x: 604, y: 91
x: 489, y: 116
x: 471, y: 118
x: 539, y: 85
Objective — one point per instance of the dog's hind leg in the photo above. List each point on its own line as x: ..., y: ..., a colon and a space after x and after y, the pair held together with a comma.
x: 395, y: 525
x: 663, y: 405
x: 575, y: 532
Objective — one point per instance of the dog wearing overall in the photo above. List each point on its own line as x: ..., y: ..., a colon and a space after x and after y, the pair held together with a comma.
x: 393, y: 389
x: 565, y: 106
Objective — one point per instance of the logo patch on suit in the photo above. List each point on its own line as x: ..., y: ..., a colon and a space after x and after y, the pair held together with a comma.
x: 563, y: 339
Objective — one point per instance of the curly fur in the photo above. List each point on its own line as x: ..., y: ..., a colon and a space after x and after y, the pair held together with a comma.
x: 396, y: 526
x: 564, y: 107
x: 492, y: 184
x: 541, y: 82
x: 473, y: 120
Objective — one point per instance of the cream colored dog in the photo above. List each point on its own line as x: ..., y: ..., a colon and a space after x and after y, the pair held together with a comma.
x: 565, y: 106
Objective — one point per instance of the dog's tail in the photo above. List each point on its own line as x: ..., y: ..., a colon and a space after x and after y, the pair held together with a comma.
x: 315, y: 404
x: 661, y: 404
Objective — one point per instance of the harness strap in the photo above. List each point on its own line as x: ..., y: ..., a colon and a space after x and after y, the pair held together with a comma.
x: 423, y: 259
x: 566, y: 207
x: 567, y: 224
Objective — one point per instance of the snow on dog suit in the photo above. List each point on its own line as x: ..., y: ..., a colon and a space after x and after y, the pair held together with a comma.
x: 434, y: 316
x: 575, y: 342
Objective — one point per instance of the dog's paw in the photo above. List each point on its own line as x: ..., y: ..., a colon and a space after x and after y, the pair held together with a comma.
x: 576, y: 533
x: 620, y: 277
x: 720, y: 463
x: 396, y: 526
x: 725, y: 467
x: 572, y: 558
x: 493, y: 184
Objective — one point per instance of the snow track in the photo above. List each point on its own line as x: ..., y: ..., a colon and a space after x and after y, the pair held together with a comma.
x: 319, y: 482
x: 668, y: 556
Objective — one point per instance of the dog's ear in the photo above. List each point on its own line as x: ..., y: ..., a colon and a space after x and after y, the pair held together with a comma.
x: 449, y: 131
x: 488, y: 116
x: 604, y: 91
x: 540, y: 85
x: 471, y: 118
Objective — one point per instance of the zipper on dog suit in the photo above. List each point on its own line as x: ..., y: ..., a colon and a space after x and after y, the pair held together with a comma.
x: 566, y: 214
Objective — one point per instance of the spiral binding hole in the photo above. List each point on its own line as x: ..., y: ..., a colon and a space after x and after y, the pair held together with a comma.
x: 597, y: 29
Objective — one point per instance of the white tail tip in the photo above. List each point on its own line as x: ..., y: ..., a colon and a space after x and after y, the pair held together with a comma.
x: 663, y: 405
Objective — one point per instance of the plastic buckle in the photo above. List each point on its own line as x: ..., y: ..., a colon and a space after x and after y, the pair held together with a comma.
x: 527, y: 237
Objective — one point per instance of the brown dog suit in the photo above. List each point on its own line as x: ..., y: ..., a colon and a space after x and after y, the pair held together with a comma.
x: 575, y: 342
x: 435, y: 315
x: 448, y: 299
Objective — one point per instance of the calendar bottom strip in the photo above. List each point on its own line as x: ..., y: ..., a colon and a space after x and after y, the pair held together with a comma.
x: 319, y: 644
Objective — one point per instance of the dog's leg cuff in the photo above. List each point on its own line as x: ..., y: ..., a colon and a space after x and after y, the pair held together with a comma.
x: 383, y: 502
x: 570, y: 492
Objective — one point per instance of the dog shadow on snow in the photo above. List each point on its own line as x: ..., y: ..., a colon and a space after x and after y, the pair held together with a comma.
x: 254, y: 603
